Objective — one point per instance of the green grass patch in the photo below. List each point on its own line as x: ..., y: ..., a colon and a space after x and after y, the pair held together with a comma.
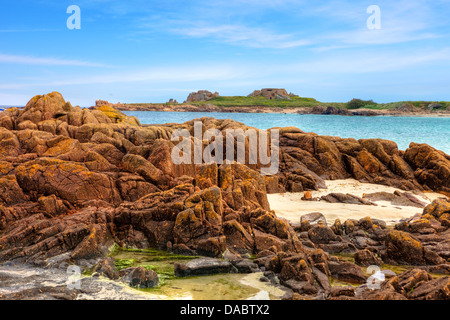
x: 243, y: 101
x: 298, y: 102
x: 394, y: 105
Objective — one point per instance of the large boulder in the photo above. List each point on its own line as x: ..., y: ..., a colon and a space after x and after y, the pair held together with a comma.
x: 437, y: 289
x: 431, y: 166
x: 67, y: 180
x: 238, y: 238
x: 33, y: 238
x: 321, y: 233
x: 44, y: 107
x: 437, y: 208
x: 347, y: 271
x: 313, y: 218
x: 367, y: 258
x: 203, y: 266
x: 202, y: 95
x: 402, y: 248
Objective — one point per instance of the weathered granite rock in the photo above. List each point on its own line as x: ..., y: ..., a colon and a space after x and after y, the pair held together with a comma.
x: 346, y: 198
x: 347, y: 271
x: 74, y: 181
x: 437, y: 289
x: 367, y: 258
x: 203, y: 266
x: 313, y: 218
x: 143, y: 278
x: 414, y: 284
x: 403, y: 248
x: 202, y: 95
x: 320, y: 233
x: 107, y: 268
x: 431, y: 167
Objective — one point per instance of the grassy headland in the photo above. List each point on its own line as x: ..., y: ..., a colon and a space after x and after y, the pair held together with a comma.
x: 301, y: 102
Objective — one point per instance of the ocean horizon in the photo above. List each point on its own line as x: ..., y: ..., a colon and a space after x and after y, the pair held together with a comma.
x: 9, y: 106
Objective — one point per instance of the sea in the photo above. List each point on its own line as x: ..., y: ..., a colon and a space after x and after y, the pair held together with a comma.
x: 434, y: 131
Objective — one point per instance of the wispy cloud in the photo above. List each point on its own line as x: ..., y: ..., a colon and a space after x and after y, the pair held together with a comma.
x: 372, y: 62
x: 365, y: 37
x: 16, y: 59
x: 169, y: 74
x: 26, y: 30
x: 402, y: 21
x: 367, y: 62
x: 243, y: 35
x: 243, y: 23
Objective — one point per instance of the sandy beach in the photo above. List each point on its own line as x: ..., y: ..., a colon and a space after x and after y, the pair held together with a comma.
x: 291, y: 207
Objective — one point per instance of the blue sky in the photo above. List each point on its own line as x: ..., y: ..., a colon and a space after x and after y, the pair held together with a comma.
x: 151, y: 51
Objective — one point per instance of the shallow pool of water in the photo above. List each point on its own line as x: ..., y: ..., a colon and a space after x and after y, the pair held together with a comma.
x: 230, y: 286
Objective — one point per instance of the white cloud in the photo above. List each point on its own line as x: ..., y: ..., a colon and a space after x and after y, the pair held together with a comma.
x: 372, y: 62
x: 244, y: 36
x: 25, y: 30
x: 157, y: 75
x: 241, y: 23
x: 378, y: 37
x: 401, y: 21
x: 326, y: 63
x: 16, y: 59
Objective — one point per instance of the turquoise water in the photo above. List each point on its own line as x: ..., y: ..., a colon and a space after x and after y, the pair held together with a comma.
x: 403, y: 130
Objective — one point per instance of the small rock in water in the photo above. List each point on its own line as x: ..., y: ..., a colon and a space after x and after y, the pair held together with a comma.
x: 203, y: 266
x: 143, y: 278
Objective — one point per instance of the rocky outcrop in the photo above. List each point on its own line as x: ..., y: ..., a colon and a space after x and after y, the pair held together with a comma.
x: 271, y: 94
x: 346, y: 198
x: 75, y: 181
x: 431, y: 166
x: 307, y: 159
x: 202, y: 95
x: 414, y: 284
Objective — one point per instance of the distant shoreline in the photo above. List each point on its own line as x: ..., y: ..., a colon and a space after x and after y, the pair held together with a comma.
x: 280, y: 110
x: 276, y: 110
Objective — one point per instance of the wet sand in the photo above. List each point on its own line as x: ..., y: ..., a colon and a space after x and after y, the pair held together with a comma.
x: 291, y: 207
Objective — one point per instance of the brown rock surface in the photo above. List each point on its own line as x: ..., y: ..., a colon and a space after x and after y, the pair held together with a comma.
x: 75, y: 181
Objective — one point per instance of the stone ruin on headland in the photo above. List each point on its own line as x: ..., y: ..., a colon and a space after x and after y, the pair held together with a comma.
x: 272, y: 94
x: 268, y: 93
x: 202, y: 95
